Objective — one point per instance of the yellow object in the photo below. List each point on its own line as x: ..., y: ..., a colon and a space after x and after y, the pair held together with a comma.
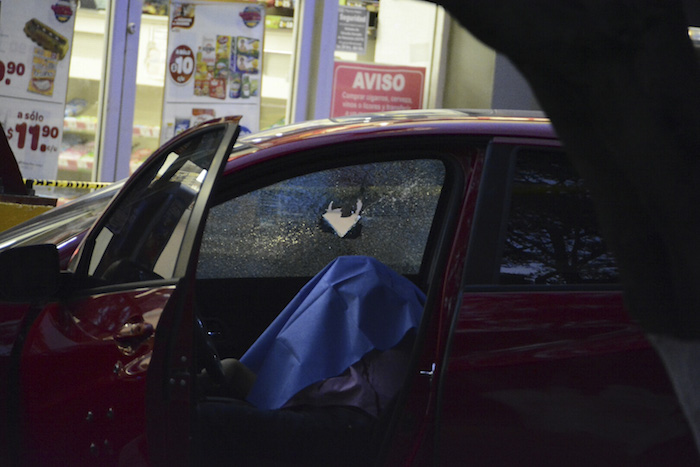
x: 15, y: 209
x: 12, y: 214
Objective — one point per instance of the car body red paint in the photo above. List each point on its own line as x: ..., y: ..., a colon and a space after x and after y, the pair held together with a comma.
x: 518, y: 361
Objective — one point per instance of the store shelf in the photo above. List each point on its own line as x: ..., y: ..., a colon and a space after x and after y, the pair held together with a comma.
x: 87, y: 56
x: 80, y: 125
x: 279, y: 22
x: 88, y: 125
x: 87, y: 59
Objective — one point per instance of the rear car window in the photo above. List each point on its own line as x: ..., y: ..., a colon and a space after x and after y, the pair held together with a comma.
x: 552, y: 234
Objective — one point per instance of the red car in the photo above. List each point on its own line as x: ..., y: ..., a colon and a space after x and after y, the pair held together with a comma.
x: 520, y: 352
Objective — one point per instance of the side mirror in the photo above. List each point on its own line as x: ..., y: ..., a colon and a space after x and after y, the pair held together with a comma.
x: 29, y: 273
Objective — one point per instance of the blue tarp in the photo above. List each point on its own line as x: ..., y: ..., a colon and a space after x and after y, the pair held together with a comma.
x: 354, y: 305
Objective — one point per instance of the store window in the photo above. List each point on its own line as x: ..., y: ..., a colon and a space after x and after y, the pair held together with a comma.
x: 82, y: 122
x: 87, y: 81
x: 387, y: 56
x: 80, y: 125
x: 278, y: 54
x: 150, y: 77
x: 94, y: 146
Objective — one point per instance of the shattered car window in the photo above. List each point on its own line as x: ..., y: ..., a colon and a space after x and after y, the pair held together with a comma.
x: 294, y: 228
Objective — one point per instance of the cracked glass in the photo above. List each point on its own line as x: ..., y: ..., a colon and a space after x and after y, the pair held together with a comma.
x: 295, y: 227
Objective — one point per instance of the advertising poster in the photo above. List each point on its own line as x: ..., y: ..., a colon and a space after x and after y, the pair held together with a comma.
x: 35, y: 48
x: 214, y: 65
x: 360, y: 88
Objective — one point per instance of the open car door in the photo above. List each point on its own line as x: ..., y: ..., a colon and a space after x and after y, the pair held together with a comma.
x: 272, y: 243
x: 80, y: 378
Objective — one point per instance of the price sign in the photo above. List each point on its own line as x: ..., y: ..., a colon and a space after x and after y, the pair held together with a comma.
x: 34, y: 133
x: 181, y: 64
x: 35, y: 47
x: 8, y: 70
x: 31, y: 65
x: 28, y: 135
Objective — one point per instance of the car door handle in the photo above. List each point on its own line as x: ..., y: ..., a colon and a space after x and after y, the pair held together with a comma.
x: 132, y: 335
x: 429, y: 373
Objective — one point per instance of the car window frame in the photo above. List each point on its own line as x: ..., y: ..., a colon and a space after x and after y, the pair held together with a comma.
x: 491, y: 215
x: 293, y: 210
x: 305, y: 161
x: 84, y: 283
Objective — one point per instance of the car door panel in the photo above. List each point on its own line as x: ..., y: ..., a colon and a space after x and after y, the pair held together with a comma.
x: 170, y: 377
x: 545, y: 366
x: 12, y: 320
x: 98, y: 406
x: 84, y: 360
x: 544, y: 378
x: 265, y: 240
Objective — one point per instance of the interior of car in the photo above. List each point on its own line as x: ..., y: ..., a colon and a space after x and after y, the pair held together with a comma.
x: 264, y: 245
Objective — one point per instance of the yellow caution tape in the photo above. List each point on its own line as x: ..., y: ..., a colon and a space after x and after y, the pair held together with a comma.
x: 67, y: 184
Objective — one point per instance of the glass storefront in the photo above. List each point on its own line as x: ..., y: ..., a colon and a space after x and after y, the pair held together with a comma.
x: 87, y: 76
x: 86, y: 72
x: 112, y: 84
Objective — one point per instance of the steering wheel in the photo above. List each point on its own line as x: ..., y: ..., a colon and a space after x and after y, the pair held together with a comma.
x: 208, y: 354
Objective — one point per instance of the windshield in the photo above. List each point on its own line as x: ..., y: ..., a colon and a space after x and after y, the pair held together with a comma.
x: 61, y: 223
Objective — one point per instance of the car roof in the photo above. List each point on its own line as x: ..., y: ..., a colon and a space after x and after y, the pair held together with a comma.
x: 505, y: 123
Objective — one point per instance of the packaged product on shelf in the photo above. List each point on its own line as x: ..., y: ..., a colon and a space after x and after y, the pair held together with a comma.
x: 202, y: 115
x: 217, y: 88
x: 234, y: 85
x: 138, y: 156
x: 223, y: 46
x: 201, y: 71
x: 47, y: 38
x: 183, y: 15
x: 209, y: 52
x: 221, y: 70
x: 246, y: 64
x: 248, y: 46
x: 201, y: 87
x: 223, y: 55
x: 254, y: 87
x: 77, y: 158
x: 181, y: 124
x: 245, y: 88
x: 232, y: 57
x: 43, y: 72
x: 201, y: 75
x: 247, y: 54
x: 75, y: 107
